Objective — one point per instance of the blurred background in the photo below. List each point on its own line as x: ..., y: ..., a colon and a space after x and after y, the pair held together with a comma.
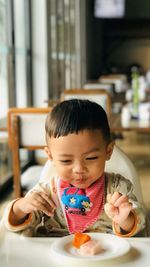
x: 48, y: 46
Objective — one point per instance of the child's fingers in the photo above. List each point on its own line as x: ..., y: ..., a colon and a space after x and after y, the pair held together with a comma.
x: 43, y: 208
x: 115, y: 197
x: 41, y: 201
x: 126, y: 206
x: 120, y: 200
x: 41, y: 196
x: 48, y: 200
x: 110, y: 210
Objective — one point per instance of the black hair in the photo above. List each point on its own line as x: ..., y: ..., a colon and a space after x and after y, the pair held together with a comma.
x: 72, y: 116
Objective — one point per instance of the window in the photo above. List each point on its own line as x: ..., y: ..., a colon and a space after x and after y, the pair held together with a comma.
x: 66, y: 30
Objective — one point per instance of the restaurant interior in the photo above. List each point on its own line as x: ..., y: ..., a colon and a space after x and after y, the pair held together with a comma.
x: 55, y: 50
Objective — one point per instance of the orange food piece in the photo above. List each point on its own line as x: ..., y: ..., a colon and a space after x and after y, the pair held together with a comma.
x: 80, y: 239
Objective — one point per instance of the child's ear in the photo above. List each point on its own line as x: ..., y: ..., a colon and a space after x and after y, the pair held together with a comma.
x: 110, y: 149
x: 48, y: 152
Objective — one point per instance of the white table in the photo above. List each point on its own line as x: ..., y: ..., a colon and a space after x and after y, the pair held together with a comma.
x: 16, y: 251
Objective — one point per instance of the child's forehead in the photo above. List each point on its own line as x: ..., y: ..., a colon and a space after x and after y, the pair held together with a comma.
x: 80, y: 133
x: 85, y: 135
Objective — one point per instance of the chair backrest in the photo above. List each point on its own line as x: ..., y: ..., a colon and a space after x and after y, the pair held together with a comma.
x: 120, y: 163
x: 102, y: 97
x: 97, y: 85
x: 26, y: 130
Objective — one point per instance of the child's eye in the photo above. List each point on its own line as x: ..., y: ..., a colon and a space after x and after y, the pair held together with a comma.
x: 67, y: 161
x: 92, y: 158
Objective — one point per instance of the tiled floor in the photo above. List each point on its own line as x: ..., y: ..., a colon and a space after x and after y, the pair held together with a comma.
x: 137, y: 147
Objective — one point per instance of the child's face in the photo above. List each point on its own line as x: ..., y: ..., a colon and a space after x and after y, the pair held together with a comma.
x: 79, y: 158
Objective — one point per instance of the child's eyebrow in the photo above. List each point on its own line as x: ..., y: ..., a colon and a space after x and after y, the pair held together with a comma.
x: 65, y: 155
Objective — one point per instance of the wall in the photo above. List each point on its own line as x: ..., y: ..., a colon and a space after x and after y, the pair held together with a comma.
x: 93, y: 42
x: 117, y: 42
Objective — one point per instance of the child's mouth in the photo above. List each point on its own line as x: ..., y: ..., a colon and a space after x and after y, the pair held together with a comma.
x: 81, y: 180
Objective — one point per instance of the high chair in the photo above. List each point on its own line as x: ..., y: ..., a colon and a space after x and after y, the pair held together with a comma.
x: 102, y: 97
x: 26, y: 131
x: 120, y: 163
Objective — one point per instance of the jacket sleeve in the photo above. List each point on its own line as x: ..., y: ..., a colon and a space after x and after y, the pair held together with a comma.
x: 118, y: 183
x: 33, y: 218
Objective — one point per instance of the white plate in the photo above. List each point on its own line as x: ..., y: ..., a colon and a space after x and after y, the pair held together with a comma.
x: 113, y: 247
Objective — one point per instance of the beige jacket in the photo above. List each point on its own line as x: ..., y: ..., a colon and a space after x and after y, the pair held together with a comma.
x: 38, y: 224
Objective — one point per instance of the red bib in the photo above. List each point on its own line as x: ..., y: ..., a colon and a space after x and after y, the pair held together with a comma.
x: 81, y: 207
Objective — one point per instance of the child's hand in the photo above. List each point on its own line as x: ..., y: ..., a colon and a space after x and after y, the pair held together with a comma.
x: 34, y: 201
x: 39, y: 201
x: 118, y: 207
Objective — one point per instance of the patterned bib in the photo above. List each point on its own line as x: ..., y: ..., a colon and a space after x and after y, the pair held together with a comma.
x: 81, y: 207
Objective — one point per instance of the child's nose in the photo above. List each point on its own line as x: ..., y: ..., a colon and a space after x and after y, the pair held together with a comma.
x: 79, y: 168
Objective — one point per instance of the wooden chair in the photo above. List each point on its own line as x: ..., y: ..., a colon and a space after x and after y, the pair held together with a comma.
x: 102, y: 97
x: 3, y: 141
x: 95, y: 84
x: 26, y: 130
